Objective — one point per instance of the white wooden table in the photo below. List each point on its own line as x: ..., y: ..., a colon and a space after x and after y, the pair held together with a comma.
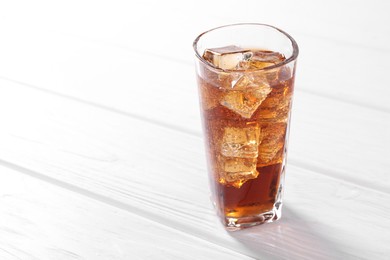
x: 101, y: 154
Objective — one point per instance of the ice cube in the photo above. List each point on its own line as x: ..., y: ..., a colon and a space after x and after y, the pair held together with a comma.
x: 236, y: 171
x: 255, y: 64
x: 241, y: 142
x: 277, y: 106
x: 262, y: 59
x: 278, y: 75
x: 284, y: 73
x: 246, y: 96
x: 227, y: 57
x: 242, y: 82
x: 238, y: 157
x: 271, y: 144
x: 267, y: 56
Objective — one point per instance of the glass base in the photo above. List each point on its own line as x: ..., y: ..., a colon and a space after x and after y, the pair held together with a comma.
x: 256, y: 218
x: 234, y: 224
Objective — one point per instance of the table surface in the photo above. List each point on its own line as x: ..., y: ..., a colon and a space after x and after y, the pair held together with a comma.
x: 101, y: 152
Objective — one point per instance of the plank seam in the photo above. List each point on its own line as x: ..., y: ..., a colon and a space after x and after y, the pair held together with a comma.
x: 118, y: 204
x: 188, y: 63
x: 294, y: 162
x: 107, y: 108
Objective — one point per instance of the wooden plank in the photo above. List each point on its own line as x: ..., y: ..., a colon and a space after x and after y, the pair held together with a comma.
x: 97, y: 76
x: 342, y: 140
x: 326, y: 21
x: 44, y: 221
x: 159, y: 174
x: 340, y: 58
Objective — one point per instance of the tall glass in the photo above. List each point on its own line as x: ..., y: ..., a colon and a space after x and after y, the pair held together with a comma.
x: 245, y: 76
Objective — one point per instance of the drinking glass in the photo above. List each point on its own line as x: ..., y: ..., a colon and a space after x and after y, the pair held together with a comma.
x: 245, y: 75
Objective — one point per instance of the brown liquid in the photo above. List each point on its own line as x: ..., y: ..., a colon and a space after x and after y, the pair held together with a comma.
x: 245, y: 132
x: 254, y: 196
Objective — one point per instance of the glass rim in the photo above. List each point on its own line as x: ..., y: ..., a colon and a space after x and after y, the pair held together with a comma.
x: 292, y: 57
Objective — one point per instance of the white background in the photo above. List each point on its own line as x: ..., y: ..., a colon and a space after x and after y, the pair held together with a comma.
x: 101, y: 155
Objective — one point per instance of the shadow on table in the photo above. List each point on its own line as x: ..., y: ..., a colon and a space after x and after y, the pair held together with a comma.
x: 291, y: 237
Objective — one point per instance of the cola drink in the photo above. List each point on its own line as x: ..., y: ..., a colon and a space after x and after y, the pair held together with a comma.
x: 245, y: 98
